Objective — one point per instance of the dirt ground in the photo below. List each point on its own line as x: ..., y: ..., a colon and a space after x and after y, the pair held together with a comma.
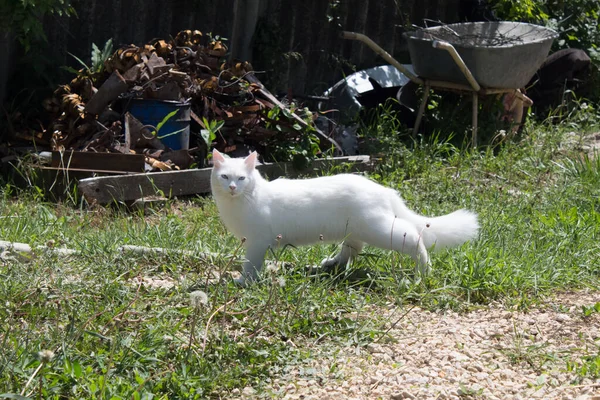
x: 488, y: 353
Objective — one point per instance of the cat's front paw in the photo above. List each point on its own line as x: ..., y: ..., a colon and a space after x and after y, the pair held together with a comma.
x: 240, y: 281
x: 423, y: 269
x: 329, y: 264
x: 244, y: 280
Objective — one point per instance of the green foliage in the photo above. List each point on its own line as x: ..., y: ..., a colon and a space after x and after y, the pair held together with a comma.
x: 588, y: 367
x: 382, y: 129
x: 119, y: 336
x: 521, y: 10
x: 163, y: 122
x: 98, y: 58
x: 210, y: 133
x: 128, y: 325
x: 35, y: 74
x: 447, y: 119
x: 576, y: 21
x: 294, y: 142
x: 575, y: 112
x: 23, y: 18
x: 505, y: 181
x: 589, y: 310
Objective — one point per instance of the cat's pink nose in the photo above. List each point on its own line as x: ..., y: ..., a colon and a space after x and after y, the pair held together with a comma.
x: 232, y: 186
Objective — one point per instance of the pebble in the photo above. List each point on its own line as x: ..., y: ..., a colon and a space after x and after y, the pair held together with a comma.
x: 374, y: 348
x: 402, y: 395
x: 481, y: 376
x: 562, y: 318
x: 248, y: 391
x: 455, y: 355
x: 431, y: 354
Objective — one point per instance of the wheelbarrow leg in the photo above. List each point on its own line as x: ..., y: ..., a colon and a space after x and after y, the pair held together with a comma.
x: 474, y: 118
x: 421, y: 109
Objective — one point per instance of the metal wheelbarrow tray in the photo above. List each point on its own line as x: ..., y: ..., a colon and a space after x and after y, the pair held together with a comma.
x: 498, y: 54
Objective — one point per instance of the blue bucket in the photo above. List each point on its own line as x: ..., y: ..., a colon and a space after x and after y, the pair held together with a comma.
x: 175, y: 133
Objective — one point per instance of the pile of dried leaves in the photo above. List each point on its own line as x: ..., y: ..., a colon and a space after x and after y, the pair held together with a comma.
x: 230, y: 108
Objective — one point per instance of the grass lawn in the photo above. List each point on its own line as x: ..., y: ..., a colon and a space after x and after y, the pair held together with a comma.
x: 111, y: 324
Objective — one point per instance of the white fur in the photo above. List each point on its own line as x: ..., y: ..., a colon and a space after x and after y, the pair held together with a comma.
x: 348, y: 208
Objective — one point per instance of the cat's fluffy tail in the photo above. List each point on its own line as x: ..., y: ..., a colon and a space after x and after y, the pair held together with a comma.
x: 447, y: 230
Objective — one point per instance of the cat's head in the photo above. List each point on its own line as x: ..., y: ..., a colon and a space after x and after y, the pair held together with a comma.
x: 233, y: 176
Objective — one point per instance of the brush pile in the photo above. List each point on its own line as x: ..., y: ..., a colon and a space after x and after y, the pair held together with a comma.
x: 229, y: 107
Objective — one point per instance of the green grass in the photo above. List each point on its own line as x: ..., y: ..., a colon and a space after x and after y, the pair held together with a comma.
x: 112, y: 337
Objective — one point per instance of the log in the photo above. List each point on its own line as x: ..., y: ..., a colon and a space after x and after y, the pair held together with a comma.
x: 24, y: 248
x: 27, y: 249
x: 108, y: 92
x: 108, y: 189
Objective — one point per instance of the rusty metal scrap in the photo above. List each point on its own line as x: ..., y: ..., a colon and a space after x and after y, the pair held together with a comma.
x: 190, y: 67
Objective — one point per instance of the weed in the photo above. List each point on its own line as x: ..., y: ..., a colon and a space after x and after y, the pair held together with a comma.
x: 136, y: 325
x: 469, y: 392
x: 589, y: 310
x: 588, y: 367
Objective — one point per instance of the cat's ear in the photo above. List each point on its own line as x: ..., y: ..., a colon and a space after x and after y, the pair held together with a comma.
x: 250, y: 161
x: 218, y: 158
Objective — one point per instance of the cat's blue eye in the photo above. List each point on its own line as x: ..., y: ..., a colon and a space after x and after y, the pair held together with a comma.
x: 241, y: 178
x: 224, y: 176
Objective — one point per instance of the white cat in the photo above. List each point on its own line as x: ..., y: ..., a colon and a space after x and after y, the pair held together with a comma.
x: 348, y: 208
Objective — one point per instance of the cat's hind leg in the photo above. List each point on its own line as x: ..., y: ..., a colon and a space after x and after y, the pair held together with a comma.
x: 400, y: 235
x: 350, y: 249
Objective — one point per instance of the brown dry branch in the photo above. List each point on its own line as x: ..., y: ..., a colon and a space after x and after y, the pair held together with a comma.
x: 91, y: 113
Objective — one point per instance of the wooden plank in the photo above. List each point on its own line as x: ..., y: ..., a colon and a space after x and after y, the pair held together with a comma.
x: 108, y: 189
x: 98, y: 161
x: 108, y: 92
x: 16, y: 247
x: 83, y: 172
x: 104, y: 190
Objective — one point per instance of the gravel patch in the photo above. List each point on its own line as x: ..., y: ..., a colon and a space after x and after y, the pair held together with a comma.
x: 488, y: 353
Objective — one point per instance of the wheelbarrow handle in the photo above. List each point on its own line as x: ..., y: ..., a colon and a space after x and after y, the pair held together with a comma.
x: 384, y: 54
x: 439, y: 44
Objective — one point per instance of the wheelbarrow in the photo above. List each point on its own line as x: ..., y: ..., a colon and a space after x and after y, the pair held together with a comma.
x: 476, y: 58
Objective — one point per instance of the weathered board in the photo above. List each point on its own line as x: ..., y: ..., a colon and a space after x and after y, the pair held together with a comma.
x: 126, y: 188
x: 88, y: 160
